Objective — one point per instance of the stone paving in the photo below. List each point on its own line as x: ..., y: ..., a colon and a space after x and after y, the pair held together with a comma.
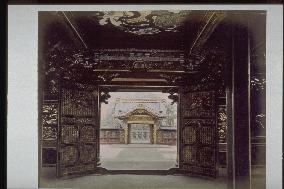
x: 138, y: 157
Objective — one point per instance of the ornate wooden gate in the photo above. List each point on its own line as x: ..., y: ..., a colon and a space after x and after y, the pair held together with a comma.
x: 140, y: 133
x: 198, y: 135
x: 78, y: 136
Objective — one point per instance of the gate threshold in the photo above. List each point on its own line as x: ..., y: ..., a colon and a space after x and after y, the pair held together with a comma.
x: 139, y: 172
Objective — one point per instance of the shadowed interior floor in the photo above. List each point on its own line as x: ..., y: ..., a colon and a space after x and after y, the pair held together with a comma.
x: 127, y: 181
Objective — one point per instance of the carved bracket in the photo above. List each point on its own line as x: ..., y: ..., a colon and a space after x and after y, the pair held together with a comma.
x: 173, y: 96
x: 107, y: 77
x: 104, y: 95
x: 172, y: 79
x: 139, y: 65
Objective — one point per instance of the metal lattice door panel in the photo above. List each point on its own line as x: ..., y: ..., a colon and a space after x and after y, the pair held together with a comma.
x: 78, y: 132
x: 198, y: 137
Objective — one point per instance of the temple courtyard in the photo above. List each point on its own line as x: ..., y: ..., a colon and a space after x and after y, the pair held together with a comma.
x: 138, y: 156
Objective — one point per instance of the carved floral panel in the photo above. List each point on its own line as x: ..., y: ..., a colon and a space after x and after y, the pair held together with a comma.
x: 189, y: 154
x: 77, y: 103
x: 69, y: 134
x: 69, y: 155
x: 88, y: 134
x: 87, y: 153
x: 206, y: 157
x: 49, y: 113
x: 222, y: 123
x: 206, y: 135
x: 49, y: 133
x: 189, y: 135
x: 199, y: 104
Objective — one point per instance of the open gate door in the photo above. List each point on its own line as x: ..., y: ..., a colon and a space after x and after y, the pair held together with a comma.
x: 198, y: 133
x: 78, y: 134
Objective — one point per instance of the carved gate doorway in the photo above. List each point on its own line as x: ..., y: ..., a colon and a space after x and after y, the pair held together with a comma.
x: 196, y: 130
x: 78, y: 132
x: 143, y: 130
x: 78, y: 136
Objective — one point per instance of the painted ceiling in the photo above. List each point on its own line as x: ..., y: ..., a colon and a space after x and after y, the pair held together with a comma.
x: 143, y: 22
x: 152, y: 29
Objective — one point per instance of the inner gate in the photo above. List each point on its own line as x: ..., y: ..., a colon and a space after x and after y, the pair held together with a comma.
x: 140, y: 133
x: 140, y: 125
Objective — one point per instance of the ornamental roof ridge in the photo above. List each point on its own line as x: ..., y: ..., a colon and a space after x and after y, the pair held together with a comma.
x: 125, y: 100
x: 141, y: 107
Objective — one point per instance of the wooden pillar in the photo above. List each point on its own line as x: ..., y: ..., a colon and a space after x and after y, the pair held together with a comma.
x: 155, y: 133
x: 152, y: 134
x: 238, y: 112
x: 98, y: 121
x: 127, y: 134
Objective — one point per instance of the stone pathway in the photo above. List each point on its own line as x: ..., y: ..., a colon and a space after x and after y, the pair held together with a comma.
x: 138, y: 157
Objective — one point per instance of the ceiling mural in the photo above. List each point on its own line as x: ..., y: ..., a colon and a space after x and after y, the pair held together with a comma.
x: 143, y: 22
x: 152, y: 29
